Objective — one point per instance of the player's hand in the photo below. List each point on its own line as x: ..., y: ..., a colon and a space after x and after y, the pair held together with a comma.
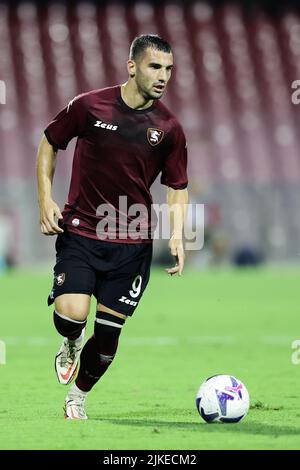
x: 176, y: 248
x: 48, y: 210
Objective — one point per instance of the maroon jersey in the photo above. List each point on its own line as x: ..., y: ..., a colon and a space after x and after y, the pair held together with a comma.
x: 119, y: 152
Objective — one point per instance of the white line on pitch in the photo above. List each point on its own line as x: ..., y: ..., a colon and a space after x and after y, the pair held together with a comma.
x: 160, y: 340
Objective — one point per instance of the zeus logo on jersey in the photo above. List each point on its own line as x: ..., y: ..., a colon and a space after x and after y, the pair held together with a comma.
x: 104, y: 125
x: 154, y: 136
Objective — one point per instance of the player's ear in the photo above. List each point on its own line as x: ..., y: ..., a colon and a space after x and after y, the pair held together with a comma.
x: 131, y: 68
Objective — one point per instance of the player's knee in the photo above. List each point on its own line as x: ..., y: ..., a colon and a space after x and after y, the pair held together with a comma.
x: 68, y: 327
x: 75, y: 308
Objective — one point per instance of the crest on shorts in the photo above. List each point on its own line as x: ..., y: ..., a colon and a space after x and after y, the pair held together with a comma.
x: 60, y: 279
x: 154, y: 136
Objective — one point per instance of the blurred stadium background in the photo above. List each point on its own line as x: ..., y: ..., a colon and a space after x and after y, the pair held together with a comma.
x: 231, y: 89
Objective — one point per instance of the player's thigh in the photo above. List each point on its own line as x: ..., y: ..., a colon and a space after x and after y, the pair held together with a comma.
x: 103, y: 308
x: 74, y: 279
x: 75, y: 306
x: 121, y: 291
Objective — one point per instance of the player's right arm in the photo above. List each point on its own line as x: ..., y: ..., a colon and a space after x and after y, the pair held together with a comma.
x: 46, y: 161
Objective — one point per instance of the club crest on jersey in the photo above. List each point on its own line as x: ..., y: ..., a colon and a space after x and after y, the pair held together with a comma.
x: 60, y: 279
x: 154, y: 136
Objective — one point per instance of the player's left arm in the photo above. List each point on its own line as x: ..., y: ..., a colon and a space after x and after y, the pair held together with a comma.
x: 177, y: 200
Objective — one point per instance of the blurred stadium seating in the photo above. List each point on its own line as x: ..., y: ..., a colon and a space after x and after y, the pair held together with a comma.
x: 231, y: 90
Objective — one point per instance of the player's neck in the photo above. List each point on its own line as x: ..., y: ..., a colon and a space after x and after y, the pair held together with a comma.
x: 132, y: 97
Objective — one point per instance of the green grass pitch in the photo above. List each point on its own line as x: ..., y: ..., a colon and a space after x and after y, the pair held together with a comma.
x: 185, y: 330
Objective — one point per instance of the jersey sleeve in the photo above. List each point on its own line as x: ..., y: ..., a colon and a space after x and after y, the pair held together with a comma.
x: 174, y: 172
x: 69, y: 123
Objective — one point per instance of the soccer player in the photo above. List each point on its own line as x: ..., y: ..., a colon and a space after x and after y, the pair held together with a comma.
x: 125, y: 138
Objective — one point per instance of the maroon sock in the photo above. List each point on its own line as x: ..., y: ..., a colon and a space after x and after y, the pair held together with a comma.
x: 93, y: 363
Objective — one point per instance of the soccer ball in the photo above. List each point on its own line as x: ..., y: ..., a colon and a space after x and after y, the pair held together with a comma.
x: 222, y: 398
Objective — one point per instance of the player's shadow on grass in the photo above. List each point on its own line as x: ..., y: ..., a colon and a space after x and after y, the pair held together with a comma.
x: 244, y: 427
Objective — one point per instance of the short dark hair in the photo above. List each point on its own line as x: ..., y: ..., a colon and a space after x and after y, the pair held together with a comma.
x: 142, y: 42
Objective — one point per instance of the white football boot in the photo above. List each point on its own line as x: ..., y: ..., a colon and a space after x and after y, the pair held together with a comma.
x: 74, y: 404
x: 66, y: 360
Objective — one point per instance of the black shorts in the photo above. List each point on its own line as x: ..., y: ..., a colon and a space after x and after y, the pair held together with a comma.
x: 115, y: 273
